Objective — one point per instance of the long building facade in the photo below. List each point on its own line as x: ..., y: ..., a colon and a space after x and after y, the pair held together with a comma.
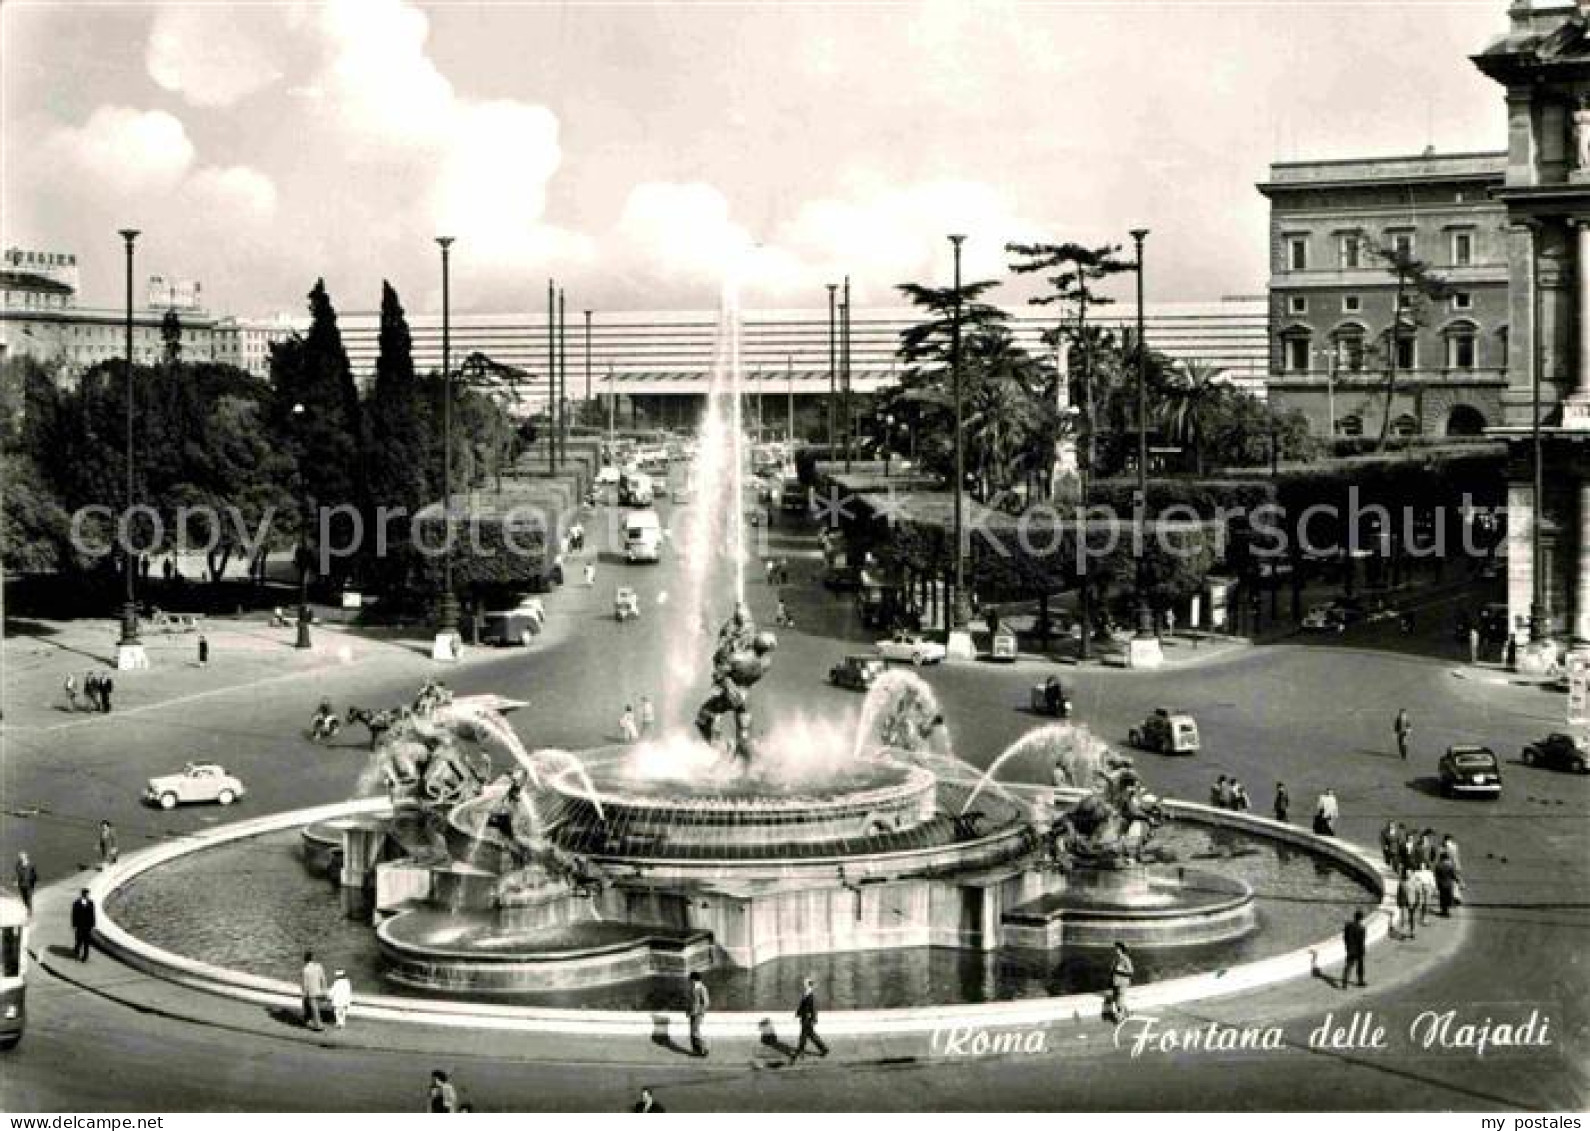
x: 1332, y: 294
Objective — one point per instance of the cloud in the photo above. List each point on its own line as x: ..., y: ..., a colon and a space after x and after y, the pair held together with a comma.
x: 237, y: 193
x: 122, y: 149
x: 378, y: 81
x: 681, y: 231
x: 214, y: 55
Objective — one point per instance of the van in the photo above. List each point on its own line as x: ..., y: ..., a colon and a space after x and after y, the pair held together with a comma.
x: 642, y: 537
x: 635, y: 489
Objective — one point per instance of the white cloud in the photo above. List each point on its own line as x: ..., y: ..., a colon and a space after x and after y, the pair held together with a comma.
x: 236, y: 194
x: 122, y: 149
x: 214, y: 55
x: 379, y: 81
x: 681, y: 231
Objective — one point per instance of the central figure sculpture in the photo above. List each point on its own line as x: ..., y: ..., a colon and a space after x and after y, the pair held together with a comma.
x: 741, y: 658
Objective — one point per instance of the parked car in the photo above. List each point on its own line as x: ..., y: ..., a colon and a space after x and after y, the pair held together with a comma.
x: 1558, y: 751
x: 198, y: 781
x: 913, y: 647
x: 1470, y: 770
x: 626, y: 605
x: 1166, y: 731
x: 1002, y: 646
x: 510, y: 626
x: 856, y: 672
x: 1334, y: 616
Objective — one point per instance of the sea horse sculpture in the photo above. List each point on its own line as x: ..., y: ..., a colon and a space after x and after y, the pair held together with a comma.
x: 741, y: 658
x: 1113, y: 823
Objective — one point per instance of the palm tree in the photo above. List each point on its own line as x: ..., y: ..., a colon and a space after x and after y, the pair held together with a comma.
x: 1192, y: 392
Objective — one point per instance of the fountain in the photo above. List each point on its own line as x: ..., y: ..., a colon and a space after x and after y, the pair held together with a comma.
x: 723, y: 843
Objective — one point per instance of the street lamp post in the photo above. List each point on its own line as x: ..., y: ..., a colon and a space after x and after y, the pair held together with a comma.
x: 1143, y: 651
x: 445, y: 646
x: 129, y: 649
x: 844, y: 369
x: 959, y: 643
x: 832, y: 374
x: 303, y: 640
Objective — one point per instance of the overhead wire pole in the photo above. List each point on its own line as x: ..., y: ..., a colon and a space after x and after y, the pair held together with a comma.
x: 563, y: 379
x: 832, y: 392
x: 552, y: 378
x: 844, y: 368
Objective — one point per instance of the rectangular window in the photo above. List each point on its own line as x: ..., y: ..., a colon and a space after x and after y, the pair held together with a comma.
x: 1407, y: 355
x: 1350, y: 353
x: 1402, y: 243
x: 1296, y: 355
x: 1462, y: 300
x: 1297, y: 304
x: 1350, y: 251
x: 1460, y: 351
x: 1297, y: 253
x: 1350, y: 304
x: 1462, y: 249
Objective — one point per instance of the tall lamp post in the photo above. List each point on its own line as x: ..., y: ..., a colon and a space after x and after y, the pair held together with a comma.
x: 445, y: 647
x: 844, y: 371
x: 303, y: 640
x: 1143, y: 651
x: 959, y: 643
x: 129, y: 649
x: 832, y: 374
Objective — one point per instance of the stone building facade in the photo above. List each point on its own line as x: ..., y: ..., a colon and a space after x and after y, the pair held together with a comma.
x: 1543, y: 67
x: 1331, y: 297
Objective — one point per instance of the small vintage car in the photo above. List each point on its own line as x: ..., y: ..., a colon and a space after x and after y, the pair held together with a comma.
x: 1558, y: 752
x: 1002, y: 646
x: 1466, y: 770
x: 1335, y: 616
x: 1166, y: 731
x: 198, y: 781
x: 856, y: 672
x: 626, y: 605
x: 912, y: 647
x: 511, y: 626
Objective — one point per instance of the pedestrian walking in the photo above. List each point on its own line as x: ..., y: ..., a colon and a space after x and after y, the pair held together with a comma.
x: 1446, y: 884
x: 313, y: 985
x: 1403, y: 726
x: 1407, y: 903
x: 770, y: 567
x: 441, y: 1097
x: 1121, y: 972
x: 1326, y: 814
x: 109, y: 848
x: 806, y: 1013
x: 1355, y: 943
x: 590, y: 575
x: 1510, y: 654
x: 1408, y: 851
x: 782, y: 618
x: 107, y: 685
x: 341, y: 998
x: 1474, y: 645
x: 1449, y: 848
x: 700, y: 1000
x: 1239, y: 797
x: 626, y: 725
x: 27, y: 879
x: 83, y: 919
x: 1391, y: 843
x: 1427, y: 847
x: 204, y: 651
x: 70, y: 687
x: 1283, y: 802
x: 1425, y: 879
x: 648, y: 715
x: 91, y: 691
x: 648, y: 1102
x: 1217, y: 792
x: 783, y: 569
x: 1170, y: 622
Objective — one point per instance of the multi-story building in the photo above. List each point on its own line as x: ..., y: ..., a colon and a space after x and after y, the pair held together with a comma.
x: 1332, y: 293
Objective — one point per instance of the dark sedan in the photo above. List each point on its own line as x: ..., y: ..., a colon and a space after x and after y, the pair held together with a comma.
x: 1467, y: 770
x: 1558, y: 752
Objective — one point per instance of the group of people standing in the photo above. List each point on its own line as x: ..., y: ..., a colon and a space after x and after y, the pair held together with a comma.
x: 633, y: 725
x: 1228, y: 793
x: 95, y: 690
x: 1428, y: 874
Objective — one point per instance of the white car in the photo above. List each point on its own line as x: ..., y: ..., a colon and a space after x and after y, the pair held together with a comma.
x: 198, y: 781
x: 607, y: 476
x: 912, y: 647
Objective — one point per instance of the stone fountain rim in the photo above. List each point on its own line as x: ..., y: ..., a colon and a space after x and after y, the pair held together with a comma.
x: 216, y: 980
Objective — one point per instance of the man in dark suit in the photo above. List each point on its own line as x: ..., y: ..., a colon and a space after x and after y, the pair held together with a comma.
x: 1353, y: 939
x: 806, y: 1011
x: 83, y: 920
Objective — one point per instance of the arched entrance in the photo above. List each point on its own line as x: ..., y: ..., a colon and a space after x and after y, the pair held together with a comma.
x: 1465, y: 420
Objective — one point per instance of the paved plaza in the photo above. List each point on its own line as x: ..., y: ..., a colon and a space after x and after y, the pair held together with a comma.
x: 1314, y: 716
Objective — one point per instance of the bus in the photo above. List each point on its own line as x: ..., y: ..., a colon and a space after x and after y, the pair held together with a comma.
x: 13, y: 968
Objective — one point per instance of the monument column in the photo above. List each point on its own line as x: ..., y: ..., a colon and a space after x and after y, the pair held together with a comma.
x: 1576, y: 407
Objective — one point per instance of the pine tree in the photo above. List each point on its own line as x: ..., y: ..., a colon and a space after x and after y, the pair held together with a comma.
x: 396, y: 438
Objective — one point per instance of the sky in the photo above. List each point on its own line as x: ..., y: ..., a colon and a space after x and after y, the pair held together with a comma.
x: 644, y: 153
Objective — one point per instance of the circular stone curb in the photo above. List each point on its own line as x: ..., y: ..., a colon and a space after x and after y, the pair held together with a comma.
x: 272, y: 992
